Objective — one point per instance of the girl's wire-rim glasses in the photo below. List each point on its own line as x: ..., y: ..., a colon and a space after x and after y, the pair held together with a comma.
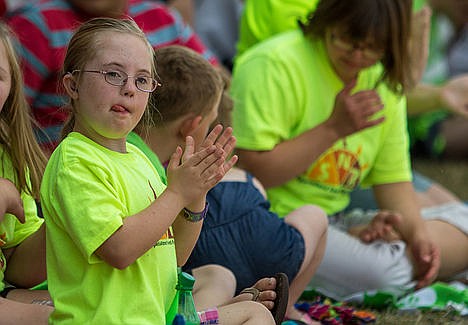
x: 120, y: 78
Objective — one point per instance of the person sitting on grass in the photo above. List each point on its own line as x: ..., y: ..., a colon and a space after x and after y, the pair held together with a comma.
x: 240, y: 232
x: 321, y: 111
x: 121, y: 231
x: 22, y: 232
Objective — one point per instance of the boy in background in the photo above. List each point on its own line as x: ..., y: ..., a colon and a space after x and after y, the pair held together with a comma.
x: 240, y: 232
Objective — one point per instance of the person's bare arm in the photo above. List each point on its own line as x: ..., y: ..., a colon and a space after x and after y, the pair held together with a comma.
x: 26, y: 265
x: 141, y: 231
x: 10, y: 200
x: 451, y: 96
x: 400, y: 197
x: 419, y: 42
x: 27, y: 296
x: 17, y: 313
x: 186, y: 233
x: 190, y: 176
x: 290, y: 158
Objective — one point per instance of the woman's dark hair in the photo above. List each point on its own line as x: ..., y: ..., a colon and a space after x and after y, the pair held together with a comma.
x: 387, y: 22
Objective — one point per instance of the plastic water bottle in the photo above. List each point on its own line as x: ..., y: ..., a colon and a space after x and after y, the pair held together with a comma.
x: 186, y: 306
x: 178, y: 320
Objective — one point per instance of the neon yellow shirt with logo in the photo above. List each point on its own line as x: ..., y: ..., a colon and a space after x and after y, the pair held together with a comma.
x: 87, y: 192
x: 286, y: 86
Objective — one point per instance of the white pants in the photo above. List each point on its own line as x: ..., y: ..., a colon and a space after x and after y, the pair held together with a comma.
x: 350, y: 266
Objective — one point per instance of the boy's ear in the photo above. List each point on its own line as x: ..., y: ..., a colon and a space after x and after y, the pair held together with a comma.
x: 71, y: 86
x: 189, y: 125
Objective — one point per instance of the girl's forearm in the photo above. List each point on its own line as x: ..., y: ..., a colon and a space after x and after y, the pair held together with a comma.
x: 424, y: 98
x: 186, y: 234
x: 141, y: 231
x: 400, y: 197
x: 289, y: 158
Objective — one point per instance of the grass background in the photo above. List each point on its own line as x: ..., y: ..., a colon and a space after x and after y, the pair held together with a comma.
x: 452, y: 174
x: 420, y: 318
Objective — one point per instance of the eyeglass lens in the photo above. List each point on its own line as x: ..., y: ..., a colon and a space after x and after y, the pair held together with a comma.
x: 119, y: 78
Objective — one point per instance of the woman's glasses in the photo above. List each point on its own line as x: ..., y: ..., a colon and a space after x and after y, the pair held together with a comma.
x: 345, y: 45
x: 120, y: 78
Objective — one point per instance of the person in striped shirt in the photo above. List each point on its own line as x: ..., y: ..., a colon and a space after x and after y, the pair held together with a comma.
x: 44, y: 28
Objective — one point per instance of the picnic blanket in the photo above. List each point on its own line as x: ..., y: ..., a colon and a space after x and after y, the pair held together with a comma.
x: 451, y: 296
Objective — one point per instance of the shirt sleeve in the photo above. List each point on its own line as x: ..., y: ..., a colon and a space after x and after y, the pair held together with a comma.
x: 30, y: 226
x: 164, y: 26
x: 84, y: 202
x: 392, y: 163
x: 261, y: 118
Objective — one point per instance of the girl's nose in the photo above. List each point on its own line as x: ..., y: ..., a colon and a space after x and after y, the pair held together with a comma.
x: 129, y: 87
x: 357, y: 54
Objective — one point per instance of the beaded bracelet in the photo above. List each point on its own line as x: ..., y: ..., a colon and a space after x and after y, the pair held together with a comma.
x: 195, y: 216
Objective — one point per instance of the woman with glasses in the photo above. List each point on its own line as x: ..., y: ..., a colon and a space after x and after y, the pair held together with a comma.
x: 320, y: 111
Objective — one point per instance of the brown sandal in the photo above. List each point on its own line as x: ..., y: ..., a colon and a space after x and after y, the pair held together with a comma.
x: 253, y: 291
x: 282, y: 296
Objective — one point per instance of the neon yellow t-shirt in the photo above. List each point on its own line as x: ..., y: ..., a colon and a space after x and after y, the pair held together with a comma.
x: 286, y: 86
x: 262, y: 19
x: 13, y: 232
x: 86, y: 193
x: 138, y: 142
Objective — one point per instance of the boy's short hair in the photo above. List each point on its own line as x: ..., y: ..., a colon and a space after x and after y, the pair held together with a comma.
x: 226, y: 104
x: 190, y: 84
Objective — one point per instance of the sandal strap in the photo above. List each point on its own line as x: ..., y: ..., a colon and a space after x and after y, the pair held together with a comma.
x: 253, y: 291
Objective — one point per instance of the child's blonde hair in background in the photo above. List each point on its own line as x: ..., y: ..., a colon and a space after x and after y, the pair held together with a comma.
x: 85, y: 43
x: 226, y: 104
x: 190, y: 84
x: 16, y: 127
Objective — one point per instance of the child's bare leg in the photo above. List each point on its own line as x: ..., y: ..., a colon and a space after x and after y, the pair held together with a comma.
x: 245, y: 312
x: 453, y: 244
x: 41, y: 297
x: 215, y: 285
x: 435, y: 195
x: 312, y: 223
x: 17, y: 313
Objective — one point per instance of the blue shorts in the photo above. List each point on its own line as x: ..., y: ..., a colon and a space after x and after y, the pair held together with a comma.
x: 243, y: 235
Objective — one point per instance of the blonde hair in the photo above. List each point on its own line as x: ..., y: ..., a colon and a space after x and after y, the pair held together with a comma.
x: 84, y: 45
x: 226, y: 104
x: 16, y: 127
x: 190, y: 84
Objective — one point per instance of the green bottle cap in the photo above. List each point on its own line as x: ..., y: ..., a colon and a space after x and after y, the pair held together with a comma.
x: 185, y: 281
